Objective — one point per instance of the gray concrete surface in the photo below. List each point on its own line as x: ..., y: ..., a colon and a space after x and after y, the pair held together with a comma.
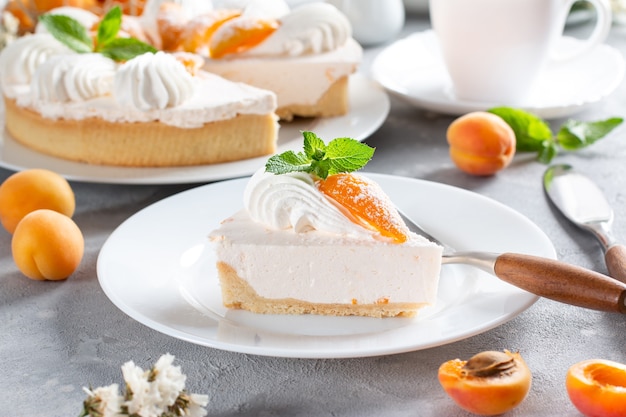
x: 56, y: 337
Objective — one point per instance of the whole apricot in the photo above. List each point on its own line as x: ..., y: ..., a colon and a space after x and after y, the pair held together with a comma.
x: 34, y: 189
x: 481, y: 143
x: 47, y: 245
x: 488, y: 384
x: 597, y: 387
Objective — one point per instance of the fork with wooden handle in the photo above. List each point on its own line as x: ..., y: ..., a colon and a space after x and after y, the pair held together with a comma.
x: 544, y: 277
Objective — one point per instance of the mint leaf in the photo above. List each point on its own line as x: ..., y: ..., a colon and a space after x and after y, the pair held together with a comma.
x: 288, y: 162
x: 547, y: 152
x: 321, y: 160
x: 73, y: 34
x: 68, y: 31
x: 575, y: 134
x: 123, y: 49
x: 532, y: 134
x: 314, y: 147
x: 346, y: 155
x: 530, y: 131
x: 109, y: 26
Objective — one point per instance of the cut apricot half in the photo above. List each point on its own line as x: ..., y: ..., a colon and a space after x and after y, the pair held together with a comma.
x: 199, y: 30
x: 240, y: 34
x: 490, y: 383
x: 366, y: 202
x: 597, y: 387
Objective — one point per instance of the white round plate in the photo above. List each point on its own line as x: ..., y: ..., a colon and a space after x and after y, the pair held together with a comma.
x: 413, y: 69
x: 369, y: 107
x: 159, y: 268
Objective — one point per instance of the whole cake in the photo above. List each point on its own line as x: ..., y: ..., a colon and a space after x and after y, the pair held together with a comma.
x: 153, y: 109
x: 304, y: 55
x: 331, y: 245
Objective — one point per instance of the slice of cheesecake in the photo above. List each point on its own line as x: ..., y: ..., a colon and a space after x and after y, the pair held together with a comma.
x: 305, y: 55
x: 333, y: 246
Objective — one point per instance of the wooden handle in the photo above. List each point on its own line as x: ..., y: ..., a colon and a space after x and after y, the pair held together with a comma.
x: 615, y: 258
x: 562, y: 282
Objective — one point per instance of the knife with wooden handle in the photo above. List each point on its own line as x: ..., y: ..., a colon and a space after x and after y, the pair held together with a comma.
x: 583, y: 203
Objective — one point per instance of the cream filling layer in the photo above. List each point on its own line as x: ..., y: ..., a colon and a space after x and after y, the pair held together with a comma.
x: 213, y: 99
x: 320, y: 267
x: 295, y: 80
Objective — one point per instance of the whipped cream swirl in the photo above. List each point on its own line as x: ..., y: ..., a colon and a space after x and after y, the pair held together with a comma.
x: 21, y: 58
x: 153, y: 81
x: 312, y: 28
x: 293, y: 201
x: 76, y: 77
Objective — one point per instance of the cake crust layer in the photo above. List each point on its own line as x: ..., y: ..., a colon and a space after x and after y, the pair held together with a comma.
x: 334, y: 102
x: 146, y: 144
x: 237, y: 294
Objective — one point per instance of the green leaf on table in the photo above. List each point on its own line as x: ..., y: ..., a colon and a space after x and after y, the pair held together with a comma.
x: 531, y: 132
x: 109, y: 26
x: 575, y: 134
x: 321, y: 160
x: 547, y: 152
x: 123, y: 49
x: 68, y: 31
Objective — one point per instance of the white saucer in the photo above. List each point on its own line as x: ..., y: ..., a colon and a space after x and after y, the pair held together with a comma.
x: 413, y: 69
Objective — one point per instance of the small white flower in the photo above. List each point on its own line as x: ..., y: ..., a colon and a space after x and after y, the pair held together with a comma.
x: 197, y: 402
x: 104, y: 401
x: 154, y: 393
x: 168, y: 382
x: 138, y: 397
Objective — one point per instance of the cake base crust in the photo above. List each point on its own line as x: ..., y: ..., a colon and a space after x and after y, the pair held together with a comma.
x: 334, y: 102
x: 237, y: 294
x: 151, y: 144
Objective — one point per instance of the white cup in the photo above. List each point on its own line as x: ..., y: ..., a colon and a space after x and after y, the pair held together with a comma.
x: 494, y: 50
x: 373, y: 21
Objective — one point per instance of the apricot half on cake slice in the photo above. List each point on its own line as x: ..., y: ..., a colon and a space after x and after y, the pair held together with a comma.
x: 366, y: 202
x: 240, y: 34
x: 199, y: 30
x: 171, y: 20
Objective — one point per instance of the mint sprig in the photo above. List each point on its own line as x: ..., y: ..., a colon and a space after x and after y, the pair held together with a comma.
x: 320, y: 159
x: 68, y: 31
x: 109, y: 26
x: 123, y: 49
x: 75, y: 36
x: 533, y: 134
